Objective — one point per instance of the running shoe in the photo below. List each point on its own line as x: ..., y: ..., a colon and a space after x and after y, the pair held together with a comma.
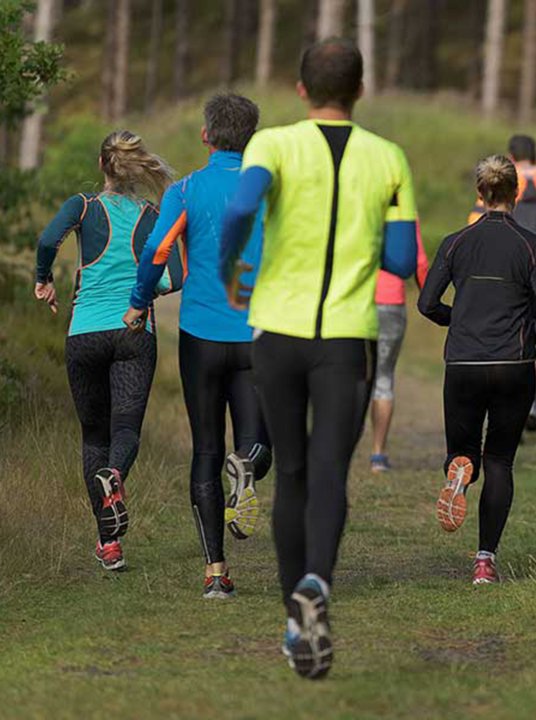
x: 380, y: 463
x: 219, y: 587
x: 242, y: 507
x: 308, y: 645
x: 110, y: 555
x: 114, y: 516
x: 484, y: 572
x: 452, y: 505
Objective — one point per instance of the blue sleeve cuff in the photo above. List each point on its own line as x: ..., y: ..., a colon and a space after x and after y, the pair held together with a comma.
x: 399, y: 255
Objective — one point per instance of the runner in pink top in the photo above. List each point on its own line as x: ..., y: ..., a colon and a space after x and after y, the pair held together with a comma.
x: 391, y: 302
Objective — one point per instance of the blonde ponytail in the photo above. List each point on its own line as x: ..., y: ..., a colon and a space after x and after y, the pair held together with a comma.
x: 496, y: 181
x: 131, y: 169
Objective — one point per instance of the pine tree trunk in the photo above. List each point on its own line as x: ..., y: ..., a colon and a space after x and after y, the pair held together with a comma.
x: 153, y: 54
x: 32, y: 127
x: 231, y: 55
x: 310, y: 17
x: 365, y: 40
x: 396, y: 42
x: 528, y: 67
x: 182, y: 55
x: 122, y: 46
x: 108, y: 63
x: 493, y: 51
x: 265, y: 44
x: 330, y: 21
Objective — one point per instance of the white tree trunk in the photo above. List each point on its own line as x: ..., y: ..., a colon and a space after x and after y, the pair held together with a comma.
x: 365, y: 40
x: 330, y: 21
x: 526, y: 95
x: 265, y: 46
x: 493, y: 55
x: 32, y: 127
x: 122, y: 45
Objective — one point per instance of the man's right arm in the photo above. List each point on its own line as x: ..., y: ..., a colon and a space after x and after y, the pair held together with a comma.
x: 170, y: 225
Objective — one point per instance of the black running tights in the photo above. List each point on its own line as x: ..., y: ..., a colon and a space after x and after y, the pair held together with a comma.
x: 504, y: 393
x: 110, y: 374
x: 216, y: 375
x: 334, y: 378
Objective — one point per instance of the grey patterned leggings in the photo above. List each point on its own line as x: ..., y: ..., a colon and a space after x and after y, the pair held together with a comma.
x: 110, y: 374
x: 392, y: 328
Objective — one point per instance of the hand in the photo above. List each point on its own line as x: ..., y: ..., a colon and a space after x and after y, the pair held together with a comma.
x: 135, y: 319
x: 47, y: 293
x: 239, y: 294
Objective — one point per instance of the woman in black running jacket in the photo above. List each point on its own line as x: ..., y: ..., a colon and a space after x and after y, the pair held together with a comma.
x: 489, y: 354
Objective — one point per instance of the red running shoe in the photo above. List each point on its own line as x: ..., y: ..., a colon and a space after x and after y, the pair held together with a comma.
x: 114, y: 516
x: 219, y: 586
x: 484, y: 572
x: 451, y: 506
x: 110, y: 555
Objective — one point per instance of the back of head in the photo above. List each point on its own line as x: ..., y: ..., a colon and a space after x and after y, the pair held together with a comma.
x: 496, y: 181
x: 332, y: 73
x: 130, y: 168
x: 230, y: 121
x: 522, y: 147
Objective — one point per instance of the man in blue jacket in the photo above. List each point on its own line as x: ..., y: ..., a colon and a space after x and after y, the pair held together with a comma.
x: 215, y: 340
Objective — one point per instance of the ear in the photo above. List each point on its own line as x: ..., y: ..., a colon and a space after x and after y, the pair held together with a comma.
x: 100, y: 163
x: 302, y: 92
x: 204, y: 136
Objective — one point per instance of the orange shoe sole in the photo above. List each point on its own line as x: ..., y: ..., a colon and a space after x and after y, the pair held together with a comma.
x: 451, y: 507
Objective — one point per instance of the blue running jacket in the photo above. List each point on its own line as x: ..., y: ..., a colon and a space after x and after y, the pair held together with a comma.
x: 111, y: 230
x: 193, y: 208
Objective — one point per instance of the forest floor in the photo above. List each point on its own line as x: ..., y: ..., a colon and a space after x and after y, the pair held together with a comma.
x: 413, y: 638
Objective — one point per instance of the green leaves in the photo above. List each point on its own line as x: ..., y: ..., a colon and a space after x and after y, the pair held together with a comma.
x: 27, y: 69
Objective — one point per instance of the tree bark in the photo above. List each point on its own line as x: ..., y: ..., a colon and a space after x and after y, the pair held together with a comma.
x: 108, y: 62
x: 365, y: 39
x: 32, y: 128
x: 121, y: 52
x: 182, y: 56
x: 310, y: 17
x: 265, y: 42
x: 493, y: 51
x: 153, y: 54
x: 396, y: 42
x: 528, y: 66
x: 231, y: 55
x: 330, y: 19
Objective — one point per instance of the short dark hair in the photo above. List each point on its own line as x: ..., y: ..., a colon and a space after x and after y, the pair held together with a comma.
x: 332, y: 72
x: 230, y: 120
x: 522, y: 147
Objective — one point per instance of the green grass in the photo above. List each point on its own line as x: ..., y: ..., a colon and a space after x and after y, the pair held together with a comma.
x: 413, y: 638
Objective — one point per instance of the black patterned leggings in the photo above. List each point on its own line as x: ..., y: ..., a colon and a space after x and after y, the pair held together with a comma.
x: 110, y: 374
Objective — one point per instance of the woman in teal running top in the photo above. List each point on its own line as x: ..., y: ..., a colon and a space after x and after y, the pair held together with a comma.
x: 110, y: 369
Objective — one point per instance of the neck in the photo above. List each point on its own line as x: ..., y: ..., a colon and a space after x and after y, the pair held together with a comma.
x: 499, y: 208
x: 329, y: 113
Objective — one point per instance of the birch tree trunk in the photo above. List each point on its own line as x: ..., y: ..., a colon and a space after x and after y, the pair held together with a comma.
x: 493, y: 51
x: 330, y: 21
x: 32, y: 128
x: 155, y: 39
x: 528, y: 66
x: 365, y: 40
x: 183, y: 47
x: 121, y: 52
x: 265, y: 43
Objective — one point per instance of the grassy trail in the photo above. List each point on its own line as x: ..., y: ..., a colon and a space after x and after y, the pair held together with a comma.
x: 413, y: 638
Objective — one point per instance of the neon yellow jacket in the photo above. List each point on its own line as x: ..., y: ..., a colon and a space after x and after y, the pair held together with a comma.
x: 374, y: 186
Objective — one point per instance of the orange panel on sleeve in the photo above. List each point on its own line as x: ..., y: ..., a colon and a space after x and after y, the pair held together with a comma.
x: 164, y: 249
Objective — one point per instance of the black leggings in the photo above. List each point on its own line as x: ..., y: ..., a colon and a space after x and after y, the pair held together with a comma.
x: 504, y: 393
x: 214, y: 375
x: 110, y: 374
x: 335, y: 377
